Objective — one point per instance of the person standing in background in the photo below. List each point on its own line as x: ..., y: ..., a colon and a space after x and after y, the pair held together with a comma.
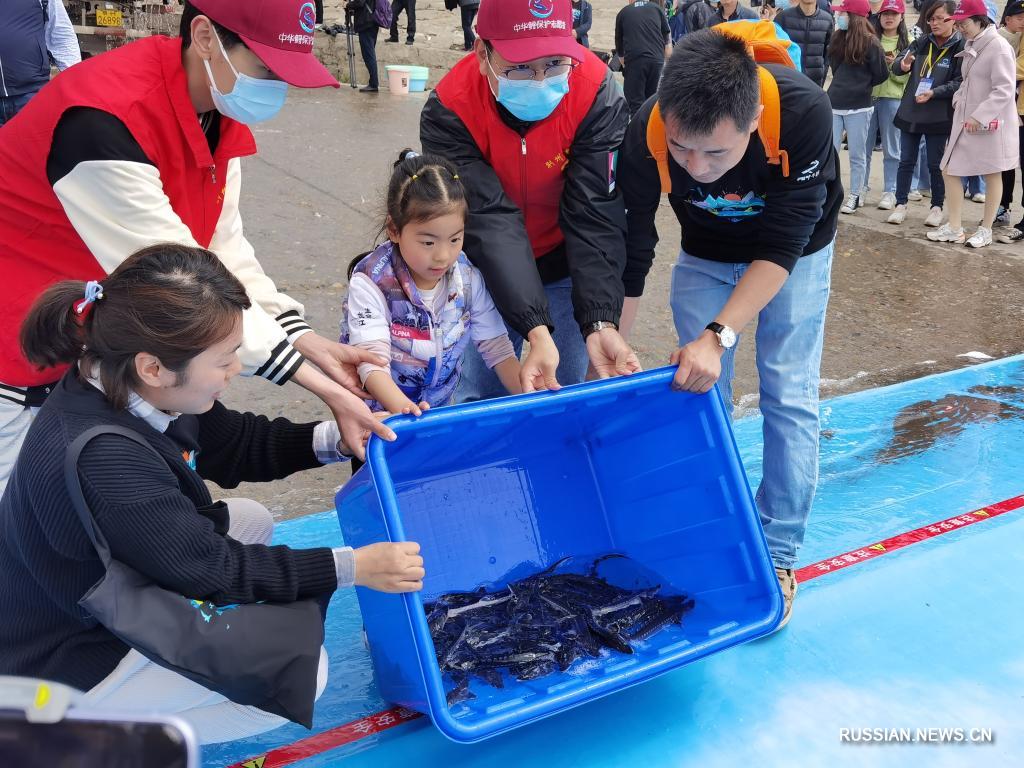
x: 731, y: 10
x: 643, y: 41
x: 926, y: 111
x: 891, y: 29
x: 1012, y: 26
x: 32, y: 32
x: 810, y: 28
x: 694, y: 15
x: 366, y: 27
x: 409, y: 6
x: 468, y: 9
x: 582, y: 20
x: 858, y: 65
x: 983, y: 141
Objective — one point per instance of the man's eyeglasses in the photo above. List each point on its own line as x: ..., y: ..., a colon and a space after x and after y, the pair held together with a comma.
x: 554, y: 68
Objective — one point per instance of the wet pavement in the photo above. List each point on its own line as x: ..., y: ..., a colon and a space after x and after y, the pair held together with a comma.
x: 901, y: 307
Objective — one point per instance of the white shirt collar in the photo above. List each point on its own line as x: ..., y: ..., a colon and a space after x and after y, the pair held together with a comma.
x: 157, y: 419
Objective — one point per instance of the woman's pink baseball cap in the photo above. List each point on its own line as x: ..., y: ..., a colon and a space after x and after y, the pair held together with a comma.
x: 856, y: 7
x: 967, y: 8
x: 280, y: 32
x: 896, y: 6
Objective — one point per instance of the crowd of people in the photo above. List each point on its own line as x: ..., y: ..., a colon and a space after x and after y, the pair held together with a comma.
x: 529, y: 215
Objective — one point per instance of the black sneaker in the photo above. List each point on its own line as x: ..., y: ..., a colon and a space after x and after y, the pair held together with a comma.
x: 368, y: 89
x: 1014, y: 235
x: 409, y: 42
x: 391, y: 40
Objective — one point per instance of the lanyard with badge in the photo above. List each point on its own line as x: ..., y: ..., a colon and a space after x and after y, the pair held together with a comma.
x: 925, y: 83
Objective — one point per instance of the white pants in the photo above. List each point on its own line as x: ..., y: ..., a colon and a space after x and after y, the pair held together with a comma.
x: 14, y: 423
x: 138, y: 686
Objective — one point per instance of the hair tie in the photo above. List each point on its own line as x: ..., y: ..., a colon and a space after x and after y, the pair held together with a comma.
x: 93, y: 293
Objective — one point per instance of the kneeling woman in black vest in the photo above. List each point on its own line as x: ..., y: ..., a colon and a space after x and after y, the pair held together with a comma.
x: 155, y: 346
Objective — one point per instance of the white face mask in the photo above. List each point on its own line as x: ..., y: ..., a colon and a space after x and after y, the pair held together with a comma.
x: 252, y: 100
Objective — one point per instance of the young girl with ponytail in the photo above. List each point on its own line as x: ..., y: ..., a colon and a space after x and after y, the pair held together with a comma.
x: 417, y: 301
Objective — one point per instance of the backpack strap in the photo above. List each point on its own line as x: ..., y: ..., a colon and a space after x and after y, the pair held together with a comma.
x: 769, y: 129
x: 657, y: 145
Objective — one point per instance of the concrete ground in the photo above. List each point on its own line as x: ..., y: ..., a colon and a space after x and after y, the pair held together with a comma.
x: 901, y: 307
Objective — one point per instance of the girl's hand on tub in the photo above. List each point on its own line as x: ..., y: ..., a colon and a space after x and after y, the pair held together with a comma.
x: 388, y: 567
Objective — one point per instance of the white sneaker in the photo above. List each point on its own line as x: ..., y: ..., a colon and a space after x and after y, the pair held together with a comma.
x: 915, y: 196
x: 978, y: 197
x: 898, y: 215
x: 934, y: 217
x: 945, y: 234
x: 980, y: 239
x: 851, y: 205
x: 888, y: 202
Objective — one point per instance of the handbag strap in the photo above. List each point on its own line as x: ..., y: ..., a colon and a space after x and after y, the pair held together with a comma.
x: 74, y: 482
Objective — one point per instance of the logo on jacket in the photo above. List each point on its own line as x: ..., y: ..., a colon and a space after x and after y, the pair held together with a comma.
x: 542, y: 8
x: 307, y: 18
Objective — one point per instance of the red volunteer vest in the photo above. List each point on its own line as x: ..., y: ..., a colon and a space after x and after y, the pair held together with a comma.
x: 531, y: 168
x: 144, y: 85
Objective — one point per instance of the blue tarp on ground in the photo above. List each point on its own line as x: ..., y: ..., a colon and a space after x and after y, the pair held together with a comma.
x: 927, y: 636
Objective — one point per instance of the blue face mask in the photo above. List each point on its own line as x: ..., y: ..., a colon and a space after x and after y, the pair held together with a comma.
x: 530, y: 100
x: 252, y: 100
x: 842, y: 23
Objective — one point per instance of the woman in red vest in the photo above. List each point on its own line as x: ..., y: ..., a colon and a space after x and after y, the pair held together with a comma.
x: 142, y: 145
x: 533, y: 121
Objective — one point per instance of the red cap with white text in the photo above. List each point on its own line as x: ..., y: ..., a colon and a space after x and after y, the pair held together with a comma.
x: 280, y: 32
x: 523, y: 30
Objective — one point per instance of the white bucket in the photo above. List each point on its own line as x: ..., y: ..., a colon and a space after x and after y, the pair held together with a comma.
x: 398, y: 79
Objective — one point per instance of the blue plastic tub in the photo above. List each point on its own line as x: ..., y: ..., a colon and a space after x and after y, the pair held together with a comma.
x: 496, y: 490
x: 418, y: 77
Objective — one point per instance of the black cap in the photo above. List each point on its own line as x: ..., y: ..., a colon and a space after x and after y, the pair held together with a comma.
x: 1013, y: 8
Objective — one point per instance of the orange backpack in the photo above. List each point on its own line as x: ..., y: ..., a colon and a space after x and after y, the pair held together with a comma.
x: 765, y: 46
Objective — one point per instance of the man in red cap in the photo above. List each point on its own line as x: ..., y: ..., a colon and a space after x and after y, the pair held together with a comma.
x: 143, y: 145
x: 533, y: 120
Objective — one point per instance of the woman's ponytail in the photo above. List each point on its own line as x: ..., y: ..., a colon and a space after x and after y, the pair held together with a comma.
x: 54, y: 332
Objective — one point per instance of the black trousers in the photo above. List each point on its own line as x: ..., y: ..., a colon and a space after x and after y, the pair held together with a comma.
x: 910, y: 146
x: 641, y: 81
x: 409, y: 6
x: 468, y: 15
x: 368, y: 47
x: 1009, y: 175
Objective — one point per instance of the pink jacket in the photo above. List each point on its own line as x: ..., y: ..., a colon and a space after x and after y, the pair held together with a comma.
x: 987, y: 94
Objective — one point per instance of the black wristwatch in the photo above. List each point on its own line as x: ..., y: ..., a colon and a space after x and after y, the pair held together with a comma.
x: 726, y: 335
x: 600, y: 325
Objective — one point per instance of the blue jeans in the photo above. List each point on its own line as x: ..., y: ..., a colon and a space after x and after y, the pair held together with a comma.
x: 789, y: 336
x: 479, y: 382
x: 973, y: 185
x: 11, y: 105
x: 881, y: 119
x: 856, y: 126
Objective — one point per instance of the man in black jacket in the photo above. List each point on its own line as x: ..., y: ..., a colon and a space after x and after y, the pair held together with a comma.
x: 643, y: 41
x: 810, y: 28
x: 757, y: 243
x: 533, y: 121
